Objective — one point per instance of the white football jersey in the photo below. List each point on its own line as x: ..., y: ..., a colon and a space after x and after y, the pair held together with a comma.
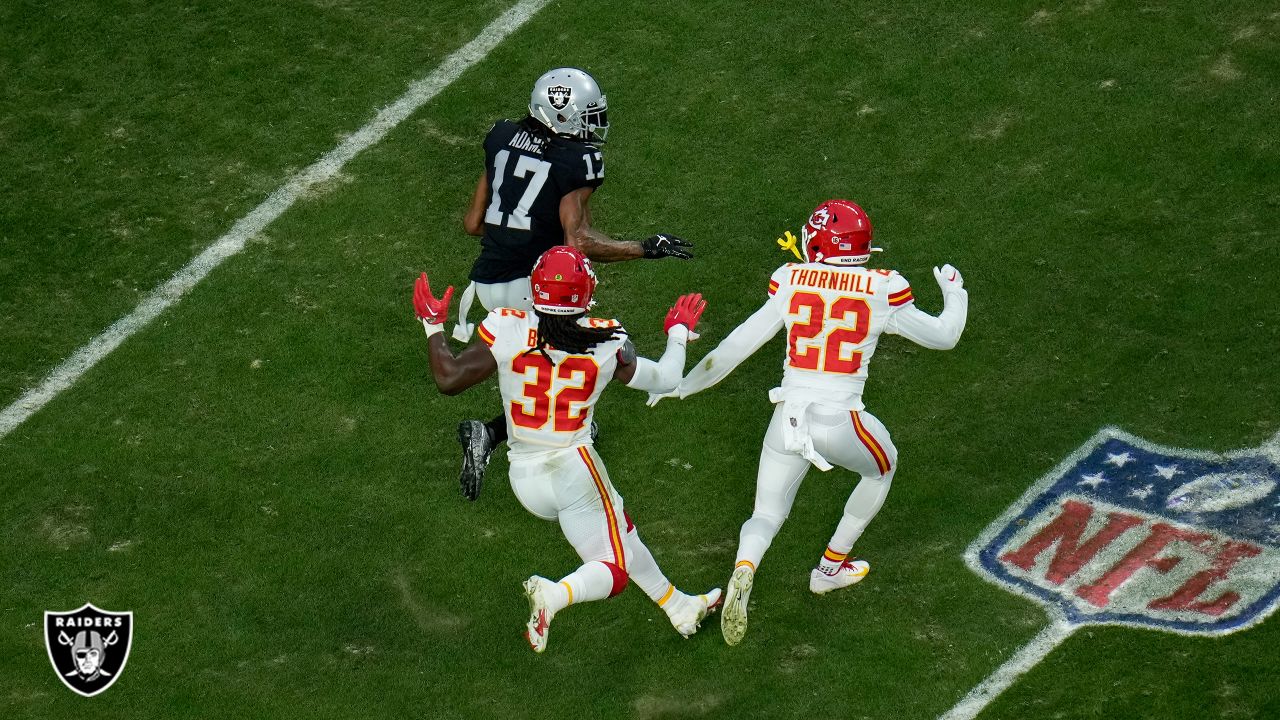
x: 833, y: 317
x: 548, y: 403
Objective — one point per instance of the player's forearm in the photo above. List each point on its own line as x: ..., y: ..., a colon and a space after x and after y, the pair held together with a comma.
x: 663, y: 376
x: 450, y: 376
x: 738, y: 346
x: 936, y: 333
x: 602, y: 248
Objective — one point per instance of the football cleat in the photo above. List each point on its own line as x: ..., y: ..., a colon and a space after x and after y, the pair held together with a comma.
x: 733, y: 619
x: 850, y: 573
x: 540, y: 614
x: 477, y: 447
x: 693, y: 610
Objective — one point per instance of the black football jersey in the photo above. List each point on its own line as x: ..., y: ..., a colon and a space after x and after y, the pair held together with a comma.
x: 529, y: 172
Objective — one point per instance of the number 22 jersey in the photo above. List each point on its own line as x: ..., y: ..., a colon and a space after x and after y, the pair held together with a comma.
x: 834, y: 317
x: 548, y: 403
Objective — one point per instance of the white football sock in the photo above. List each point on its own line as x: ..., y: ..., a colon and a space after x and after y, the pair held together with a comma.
x: 591, y: 581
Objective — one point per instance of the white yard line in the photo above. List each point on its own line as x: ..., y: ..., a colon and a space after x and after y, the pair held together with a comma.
x: 419, y: 93
x: 1027, y: 657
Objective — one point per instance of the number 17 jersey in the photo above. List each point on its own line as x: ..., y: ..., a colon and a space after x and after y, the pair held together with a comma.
x: 529, y: 171
x: 549, y: 403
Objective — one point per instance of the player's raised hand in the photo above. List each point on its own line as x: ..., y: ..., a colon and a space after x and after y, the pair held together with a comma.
x: 687, y: 311
x: 664, y: 245
x: 948, y: 278
x: 433, y: 312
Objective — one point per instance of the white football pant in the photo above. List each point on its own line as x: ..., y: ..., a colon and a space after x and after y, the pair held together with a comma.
x: 517, y: 294
x: 853, y: 440
x: 571, y: 486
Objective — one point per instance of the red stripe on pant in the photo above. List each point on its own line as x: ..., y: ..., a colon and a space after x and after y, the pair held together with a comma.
x: 877, y: 452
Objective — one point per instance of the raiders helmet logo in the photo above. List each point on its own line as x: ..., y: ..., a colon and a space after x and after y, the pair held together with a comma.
x: 88, y: 647
x: 559, y: 96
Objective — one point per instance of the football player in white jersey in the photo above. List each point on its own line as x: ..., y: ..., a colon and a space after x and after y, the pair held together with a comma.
x: 834, y: 310
x: 552, y: 364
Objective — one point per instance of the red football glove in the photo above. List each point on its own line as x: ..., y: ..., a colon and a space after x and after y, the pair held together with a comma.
x: 687, y: 310
x: 428, y: 308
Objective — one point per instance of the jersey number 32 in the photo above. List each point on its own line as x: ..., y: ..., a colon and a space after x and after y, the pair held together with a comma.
x: 540, y: 404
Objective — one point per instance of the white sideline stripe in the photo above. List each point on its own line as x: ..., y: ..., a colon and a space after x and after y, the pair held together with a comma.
x: 1027, y: 657
x: 419, y: 93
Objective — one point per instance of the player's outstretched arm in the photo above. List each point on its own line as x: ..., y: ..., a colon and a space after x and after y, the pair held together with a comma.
x: 745, y: 339
x: 941, y: 332
x: 452, y: 374
x: 663, y: 376
x: 575, y: 216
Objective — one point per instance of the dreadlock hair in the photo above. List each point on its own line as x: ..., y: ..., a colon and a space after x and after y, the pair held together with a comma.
x: 562, y: 332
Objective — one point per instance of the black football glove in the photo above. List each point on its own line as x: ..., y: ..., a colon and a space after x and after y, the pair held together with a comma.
x: 663, y: 245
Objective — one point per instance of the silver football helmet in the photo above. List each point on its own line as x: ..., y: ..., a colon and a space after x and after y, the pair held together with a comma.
x: 569, y: 101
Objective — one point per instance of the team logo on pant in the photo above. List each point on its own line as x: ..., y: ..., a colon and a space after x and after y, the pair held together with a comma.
x: 88, y: 647
x: 1124, y: 532
x: 558, y: 96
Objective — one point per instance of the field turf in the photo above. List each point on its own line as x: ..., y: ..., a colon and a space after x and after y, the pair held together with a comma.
x: 266, y: 475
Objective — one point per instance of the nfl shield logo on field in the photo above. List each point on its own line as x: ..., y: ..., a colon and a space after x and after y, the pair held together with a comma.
x: 1125, y: 532
x: 88, y: 647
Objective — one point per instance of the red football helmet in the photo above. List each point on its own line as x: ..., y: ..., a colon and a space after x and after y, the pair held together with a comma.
x: 562, y: 282
x: 837, y: 233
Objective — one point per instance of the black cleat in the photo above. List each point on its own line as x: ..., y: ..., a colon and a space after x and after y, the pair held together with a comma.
x: 477, y: 447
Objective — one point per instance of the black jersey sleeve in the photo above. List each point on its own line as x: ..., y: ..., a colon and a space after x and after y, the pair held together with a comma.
x: 577, y: 165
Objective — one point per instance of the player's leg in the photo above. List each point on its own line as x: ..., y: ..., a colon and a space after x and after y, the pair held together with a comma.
x: 684, y: 611
x: 873, y: 456
x: 478, y: 438
x: 559, y: 487
x: 777, y: 480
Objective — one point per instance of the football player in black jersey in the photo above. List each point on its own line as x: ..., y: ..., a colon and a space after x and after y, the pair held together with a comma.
x: 538, y: 179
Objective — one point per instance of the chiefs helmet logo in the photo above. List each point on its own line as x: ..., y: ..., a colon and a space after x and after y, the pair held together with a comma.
x: 820, y: 218
x: 558, y: 96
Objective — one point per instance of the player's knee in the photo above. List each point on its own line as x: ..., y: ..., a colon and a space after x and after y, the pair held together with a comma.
x: 620, y: 578
x: 767, y: 521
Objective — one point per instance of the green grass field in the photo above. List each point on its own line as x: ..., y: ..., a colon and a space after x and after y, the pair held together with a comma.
x: 266, y: 475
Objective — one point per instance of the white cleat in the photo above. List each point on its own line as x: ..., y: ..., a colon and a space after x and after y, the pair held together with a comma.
x: 850, y: 573
x: 539, y: 625
x: 693, y: 610
x: 733, y: 620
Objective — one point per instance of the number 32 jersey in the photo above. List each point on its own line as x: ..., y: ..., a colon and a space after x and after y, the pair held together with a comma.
x: 529, y: 172
x: 834, y: 317
x: 548, y: 403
